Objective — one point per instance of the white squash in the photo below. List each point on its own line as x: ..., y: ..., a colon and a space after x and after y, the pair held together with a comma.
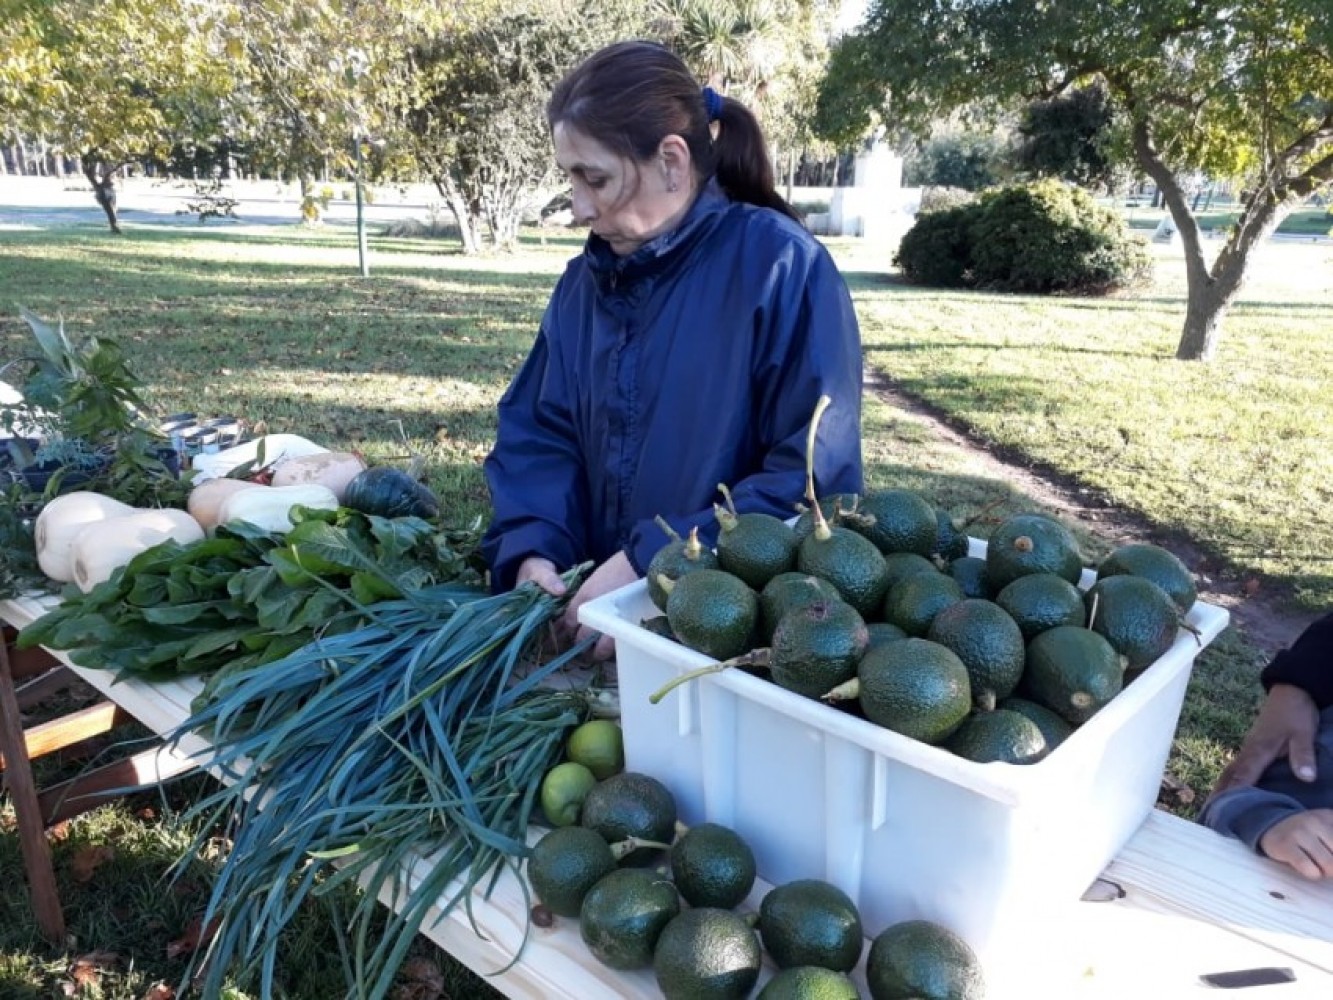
x: 100, y: 548
x: 276, y: 448
x: 334, y: 469
x: 270, y: 508
x: 61, y: 520
x: 206, y: 499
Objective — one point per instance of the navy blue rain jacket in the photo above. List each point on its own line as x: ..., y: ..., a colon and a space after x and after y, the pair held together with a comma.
x: 695, y: 360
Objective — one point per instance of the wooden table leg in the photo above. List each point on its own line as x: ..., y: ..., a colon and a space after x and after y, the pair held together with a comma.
x: 32, y: 836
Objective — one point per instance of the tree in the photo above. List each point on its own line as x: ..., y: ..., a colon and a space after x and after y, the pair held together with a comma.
x: 108, y: 81
x: 958, y: 159
x: 1070, y: 136
x: 1241, y: 90
x: 477, y: 110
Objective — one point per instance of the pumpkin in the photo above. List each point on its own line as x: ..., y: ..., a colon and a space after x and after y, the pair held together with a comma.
x: 61, y: 520
x: 102, y: 547
x: 334, y: 469
x: 206, y: 499
x: 269, y: 507
x: 389, y: 492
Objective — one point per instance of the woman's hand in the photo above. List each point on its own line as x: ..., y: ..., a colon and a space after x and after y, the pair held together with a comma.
x: 543, y: 573
x: 1285, y: 727
x: 613, y: 574
x: 1303, y: 841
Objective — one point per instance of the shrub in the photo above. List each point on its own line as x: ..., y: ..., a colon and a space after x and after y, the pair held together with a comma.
x: 1042, y: 237
x: 937, y: 199
x: 1047, y: 237
x: 937, y: 250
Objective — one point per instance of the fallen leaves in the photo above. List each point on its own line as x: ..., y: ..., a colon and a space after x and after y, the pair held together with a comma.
x: 160, y: 991
x: 83, y: 866
x: 195, y: 936
x: 85, y: 972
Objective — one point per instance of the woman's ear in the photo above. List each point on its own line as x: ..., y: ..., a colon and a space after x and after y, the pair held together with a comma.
x: 674, y: 155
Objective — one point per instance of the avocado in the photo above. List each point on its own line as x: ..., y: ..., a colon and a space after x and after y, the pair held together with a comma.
x: 565, y: 864
x: 627, y: 805
x: 914, y: 687
x: 920, y: 960
x: 1137, y: 617
x: 675, y: 559
x: 913, y: 603
x: 1054, y: 729
x: 754, y: 546
x: 624, y: 914
x: 788, y: 591
x: 816, y: 647
x: 901, y: 565
x: 988, y: 642
x: 713, y: 612
x: 848, y: 561
x: 950, y: 541
x: 1073, y: 672
x: 1040, y: 601
x: 1156, y: 564
x: 811, y: 922
x: 1031, y: 543
x: 882, y: 632
x: 897, y: 521
x: 809, y: 982
x: 999, y: 736
x: 970, y: 572
x: 707, y: 954
x: 833, y: 508
x: 712, y: 866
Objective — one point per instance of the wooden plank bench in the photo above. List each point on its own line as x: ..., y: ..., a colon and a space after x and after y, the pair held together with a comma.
x: 1178, y: 901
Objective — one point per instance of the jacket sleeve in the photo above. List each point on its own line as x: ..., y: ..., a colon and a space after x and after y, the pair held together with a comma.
x: 810, y: 346
x: 535, y: 473
x: 1308, y: 664
x: 1247, y: 813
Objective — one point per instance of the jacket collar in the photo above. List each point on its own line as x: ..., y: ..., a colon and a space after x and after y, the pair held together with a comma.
x: 661, y: 252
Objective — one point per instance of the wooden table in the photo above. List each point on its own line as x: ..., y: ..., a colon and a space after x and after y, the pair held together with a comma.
x: 1178, y: 901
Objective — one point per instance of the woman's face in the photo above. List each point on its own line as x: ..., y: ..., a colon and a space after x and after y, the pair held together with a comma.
x: 623, y: 202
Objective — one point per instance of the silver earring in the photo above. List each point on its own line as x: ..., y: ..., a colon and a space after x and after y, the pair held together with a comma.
x: 671, y: 186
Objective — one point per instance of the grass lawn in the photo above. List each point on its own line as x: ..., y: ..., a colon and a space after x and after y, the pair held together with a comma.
x: 1312, y: 221
x: 278, y: 327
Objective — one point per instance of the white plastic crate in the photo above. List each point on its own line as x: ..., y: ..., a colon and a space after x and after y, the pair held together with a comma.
x: 906, y: 829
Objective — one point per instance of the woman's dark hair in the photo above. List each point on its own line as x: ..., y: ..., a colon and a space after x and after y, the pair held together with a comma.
x: 631, y: 95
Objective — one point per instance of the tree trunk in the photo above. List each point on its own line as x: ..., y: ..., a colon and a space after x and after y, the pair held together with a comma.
x: 453, y: 197
x: 103, y: 179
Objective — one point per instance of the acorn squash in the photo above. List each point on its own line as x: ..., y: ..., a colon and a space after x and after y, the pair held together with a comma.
x: 388, y: 492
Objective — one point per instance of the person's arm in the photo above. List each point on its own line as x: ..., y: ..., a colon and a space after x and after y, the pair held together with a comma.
x: 813, y: 349
x: 1299, y: 682
x: 536, y: 477
x: 1308, y: 664
x: 1247, y: 813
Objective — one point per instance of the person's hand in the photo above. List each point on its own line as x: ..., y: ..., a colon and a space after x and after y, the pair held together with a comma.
x: 613, y: 574
x: 1304, y: 841
x: 543, y: 573
x: 1285, y: 727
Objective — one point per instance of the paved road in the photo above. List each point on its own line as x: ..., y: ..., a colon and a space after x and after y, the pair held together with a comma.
x: 46, y: 202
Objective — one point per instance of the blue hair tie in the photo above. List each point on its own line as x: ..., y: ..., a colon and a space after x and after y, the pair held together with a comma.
x: 713, y: 104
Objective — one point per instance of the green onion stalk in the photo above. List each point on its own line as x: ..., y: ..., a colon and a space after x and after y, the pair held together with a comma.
x: 422, y: 735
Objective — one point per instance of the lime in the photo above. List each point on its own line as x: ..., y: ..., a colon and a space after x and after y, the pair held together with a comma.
x: 599, y: 746
x: 563, y: 790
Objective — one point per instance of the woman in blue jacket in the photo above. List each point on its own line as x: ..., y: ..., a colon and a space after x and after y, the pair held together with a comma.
x: 685, y: 347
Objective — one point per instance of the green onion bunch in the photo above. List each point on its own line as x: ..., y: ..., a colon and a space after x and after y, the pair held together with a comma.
x: 423, y: 734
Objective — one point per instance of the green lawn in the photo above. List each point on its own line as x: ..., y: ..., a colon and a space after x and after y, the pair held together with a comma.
x: 1311, y: 221
x: 1236, y: 454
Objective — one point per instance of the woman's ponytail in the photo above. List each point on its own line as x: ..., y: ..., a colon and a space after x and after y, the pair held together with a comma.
x: 743, y: 167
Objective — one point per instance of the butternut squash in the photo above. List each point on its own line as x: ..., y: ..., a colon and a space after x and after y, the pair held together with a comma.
x: 269, y: 507
x: 276, y: 448
x: 206, y: 499
x: 102, y: 547
x: 61, y: 520
x: 334, y: 469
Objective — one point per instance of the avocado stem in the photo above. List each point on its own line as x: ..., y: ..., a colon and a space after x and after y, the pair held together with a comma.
x: 693, y: 547
x: 754, y: 658
x: 726, y: 493
x: 846, y: 691
x: 661, y: 522
x: 1092, y: 615
x: 822, y: 531
x: 623, y: 848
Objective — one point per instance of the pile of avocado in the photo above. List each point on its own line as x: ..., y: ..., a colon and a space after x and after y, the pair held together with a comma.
x: 872, y: 603
x: 650, y: 894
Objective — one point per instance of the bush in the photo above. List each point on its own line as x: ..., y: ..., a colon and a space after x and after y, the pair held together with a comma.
x: 1042, y: 237
x: 937, y: 250
x: 937, y: 199
x: 1047, y: 237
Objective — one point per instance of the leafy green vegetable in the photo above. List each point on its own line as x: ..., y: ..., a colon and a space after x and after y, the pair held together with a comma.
x: 246, y: 597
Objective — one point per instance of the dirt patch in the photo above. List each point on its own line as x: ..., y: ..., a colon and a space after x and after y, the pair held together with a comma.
x: 1266, y: 618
